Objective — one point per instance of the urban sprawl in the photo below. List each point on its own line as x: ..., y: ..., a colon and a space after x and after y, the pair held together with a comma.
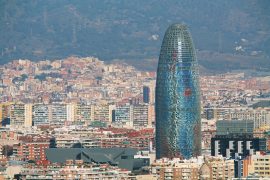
x: 81, y: 118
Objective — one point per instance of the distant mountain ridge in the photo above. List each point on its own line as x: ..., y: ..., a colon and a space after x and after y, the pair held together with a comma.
x: 133, y: 30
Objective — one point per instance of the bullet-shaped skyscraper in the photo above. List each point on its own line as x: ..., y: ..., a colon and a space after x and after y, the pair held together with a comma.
x: 178, y: 121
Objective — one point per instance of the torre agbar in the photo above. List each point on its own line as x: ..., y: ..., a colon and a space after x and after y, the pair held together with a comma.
x: 178, y: 121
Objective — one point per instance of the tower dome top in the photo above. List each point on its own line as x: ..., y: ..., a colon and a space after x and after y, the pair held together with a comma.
x: 177, y: 26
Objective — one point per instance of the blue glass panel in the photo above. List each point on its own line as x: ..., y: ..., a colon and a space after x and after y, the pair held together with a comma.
x: 178, y: 127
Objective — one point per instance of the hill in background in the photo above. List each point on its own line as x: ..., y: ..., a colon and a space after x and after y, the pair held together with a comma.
x: 227, y: 34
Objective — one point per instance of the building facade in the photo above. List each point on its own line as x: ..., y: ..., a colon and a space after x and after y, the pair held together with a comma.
x: 21, y: 115
x: 32, y: 147
x: 123, y: 114
x: 58, y: 113
x: 40, y: 114
x: 258, y: 164
x: 233, y: 146
x: 83, y: 113
x: 261, y: 117
x: 225, y: 127
x: 102, y: 113
x: 140, y: 116
x: 178, y: 126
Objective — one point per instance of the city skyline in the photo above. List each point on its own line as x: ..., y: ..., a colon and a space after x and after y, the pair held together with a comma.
x: 88, y: 104
x: 82, y: 95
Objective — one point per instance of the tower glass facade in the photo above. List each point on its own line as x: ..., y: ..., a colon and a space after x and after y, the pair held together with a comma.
x: 178, y: 121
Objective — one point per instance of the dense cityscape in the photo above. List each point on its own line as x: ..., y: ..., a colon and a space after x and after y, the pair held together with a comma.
x: 85, y: 103
x: 86, y: 118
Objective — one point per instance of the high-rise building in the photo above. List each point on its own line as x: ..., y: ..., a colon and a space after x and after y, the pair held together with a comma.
x: 178, y: 121
x: 123, y: 115
x: 40, y: 114
x: 4, y: 108
x: 146, y: 94
x: 83, y: 113
x: 140, y: 116
x: 149, y: 92
x: 103, y: 113
x: 71, y: 112
x: 58, y: 114
x: 21, y: 115
x: 28, y: 113
x: 151, y: 115
x: 17, y: 115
